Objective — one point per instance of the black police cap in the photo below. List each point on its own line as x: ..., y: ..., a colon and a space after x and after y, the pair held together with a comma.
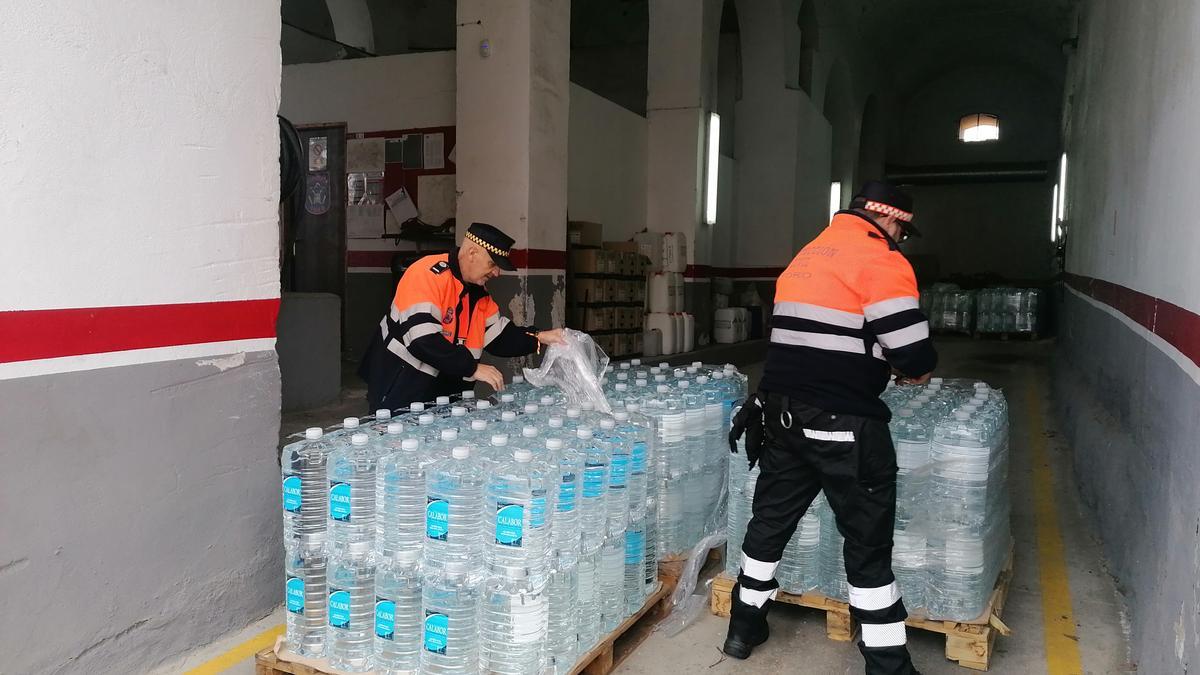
x: 495, y: 242
x: 890, y: 200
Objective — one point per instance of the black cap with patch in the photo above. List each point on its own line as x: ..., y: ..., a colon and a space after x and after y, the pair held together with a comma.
x: 887, y: 199
x: 495, y: 242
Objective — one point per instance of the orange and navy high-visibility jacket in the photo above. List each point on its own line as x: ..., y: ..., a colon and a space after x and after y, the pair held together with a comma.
x: 436, y: 330
x: 845, y: 314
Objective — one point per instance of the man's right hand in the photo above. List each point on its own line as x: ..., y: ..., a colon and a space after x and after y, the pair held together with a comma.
x: 489, y: 376
x: 924, y: 379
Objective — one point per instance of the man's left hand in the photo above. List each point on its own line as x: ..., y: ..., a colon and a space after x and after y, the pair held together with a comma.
x: 551, y: 337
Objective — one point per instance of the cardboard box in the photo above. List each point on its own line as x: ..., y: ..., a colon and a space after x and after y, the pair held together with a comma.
x: 605, y: 342
x: 583, y: 233
x: 588, y: 261
x: 624, y: 291
x: 621, y: 246
x: 651, y: 245
x: 638, y: 342
x: 590, y: 319
x: 589, y: 290
x: 610, y: 290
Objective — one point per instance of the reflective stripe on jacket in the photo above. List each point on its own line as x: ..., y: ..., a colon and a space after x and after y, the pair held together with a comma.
x: 436, y: 329
x: 845, y: 313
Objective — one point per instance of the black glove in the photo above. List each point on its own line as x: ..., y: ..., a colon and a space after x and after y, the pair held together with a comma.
x: 748, y: 421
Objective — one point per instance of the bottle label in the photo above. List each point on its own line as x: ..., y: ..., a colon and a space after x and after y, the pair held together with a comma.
x: 593, y: 480
x: 510, y: 523
x: 339, y: 501
x: 635, y: 547
x: 638, y: 455
x: 537, y: 509
x: 620, y: 471
x: 436, y: 626
x: 385, y: 618
x: 437, y: 518
x: 339, y: 609
x: 566, y: 493
x: 291, y: 494
x: 293, y: 592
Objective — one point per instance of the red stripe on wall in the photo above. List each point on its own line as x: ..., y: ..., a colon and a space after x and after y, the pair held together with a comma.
x: 1177, y: 326
x: 53, y: 333
x: 538, y: 258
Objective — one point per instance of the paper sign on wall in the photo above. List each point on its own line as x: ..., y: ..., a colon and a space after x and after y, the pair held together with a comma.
x: 401, y: 206
x: 437, y: 198
x: 434, y: 149
x: 364, y: 154
x: 364, y: 221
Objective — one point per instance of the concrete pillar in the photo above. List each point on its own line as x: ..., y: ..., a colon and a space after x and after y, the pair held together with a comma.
x: 513, y: 62
x: 681, y: 90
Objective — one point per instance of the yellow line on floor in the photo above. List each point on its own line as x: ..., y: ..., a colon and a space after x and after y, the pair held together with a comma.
x: 1058, y: 619
x: 239, y: 653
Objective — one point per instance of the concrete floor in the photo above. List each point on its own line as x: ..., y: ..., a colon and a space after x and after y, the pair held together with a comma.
x: 798, y: 643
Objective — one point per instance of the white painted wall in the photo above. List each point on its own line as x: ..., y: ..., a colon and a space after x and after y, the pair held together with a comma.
x: 1133, y: 146
x: 139, y: 152
x: 374, y: 94
x: 606, y: 165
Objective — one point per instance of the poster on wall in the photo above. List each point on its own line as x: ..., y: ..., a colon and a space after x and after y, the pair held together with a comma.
x: 434, y: 149
x: 316, y: 193
x: 318, y: 153
x: 401, y: 205
x: 364, y: 155
x: 364, y: 221
x: 437, y: 197
x: 364, y: 188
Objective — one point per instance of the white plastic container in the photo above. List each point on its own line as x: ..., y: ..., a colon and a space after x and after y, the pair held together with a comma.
x: 677, y: 289
x: 664, y: 323
x: 689, y: 332
x: 677, y: 322
x: 725, y: 325
x: 652, y: 342
x: 650, y: 244
x: 660, y: 296
x: 743, y: 324
x: 674, y: 252
x: 720, y: 301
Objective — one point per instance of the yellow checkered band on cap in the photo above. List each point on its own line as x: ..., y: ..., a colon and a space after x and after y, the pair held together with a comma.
x: 888, y: 210
x: 490, y: 249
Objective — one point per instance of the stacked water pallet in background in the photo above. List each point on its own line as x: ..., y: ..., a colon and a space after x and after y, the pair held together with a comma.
x: 952, y: 537
x: 480, y: 536
x: 606, y: 290
x: 949, y: 308
x: 1009, y: 311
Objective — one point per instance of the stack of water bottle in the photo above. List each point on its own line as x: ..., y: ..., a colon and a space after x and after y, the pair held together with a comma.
x: 494, y: 536
x: 952, y: 504
x: 949, y: 308
x: 1008, y: 310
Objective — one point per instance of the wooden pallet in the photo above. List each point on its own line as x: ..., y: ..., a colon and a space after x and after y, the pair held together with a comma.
x: 969, y: 643
x: 599, y: 660
x: 671, y: 567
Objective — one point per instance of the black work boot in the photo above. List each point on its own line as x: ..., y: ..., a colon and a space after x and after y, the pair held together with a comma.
x: 747, y: 626
x: 887, y: 660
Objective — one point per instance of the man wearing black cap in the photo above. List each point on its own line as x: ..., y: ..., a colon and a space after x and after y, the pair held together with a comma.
x: 845, y: 317
x: 441, y: 320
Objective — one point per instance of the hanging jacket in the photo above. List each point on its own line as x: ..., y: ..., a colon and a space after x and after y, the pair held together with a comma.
x: 845, y: 314
x: 430, y: 342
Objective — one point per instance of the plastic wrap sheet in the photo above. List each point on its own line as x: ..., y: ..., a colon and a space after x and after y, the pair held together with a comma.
x: 576, y: 368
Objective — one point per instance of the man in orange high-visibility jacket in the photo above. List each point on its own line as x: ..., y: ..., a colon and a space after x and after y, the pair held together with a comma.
x: 440, y: 322
x: 845, y: 316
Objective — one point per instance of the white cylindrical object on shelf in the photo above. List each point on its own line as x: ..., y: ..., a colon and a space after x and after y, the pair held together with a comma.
x: 725, y: 325
x: 652, y: 342
x: 664, y: 323
x: 743, y: 324
x: 674, y: 255
x: 689, y: 332
x: 677, y: 290
x: 660, y: 296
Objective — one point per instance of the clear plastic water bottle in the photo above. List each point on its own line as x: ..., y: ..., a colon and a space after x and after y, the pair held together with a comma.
x: 478, y: 437
x: 635, y: 563
x: 454, y: 511
x: 612, y: 580
x: 306, y: 565
x: 517, y: 507
x: 306, y: 487
x: 383, y: 417
x: 573, y: 419
x: 509, y: 426
x: 592, y: 507
x: 351, y: 473
x: 450, y: 634
x: 398, y: 617
x: 352, y: 607
x: 512, y: 624
x: 400, y: 490
x: 427, y: 428
x: 565, y: 530
x: 696, y: 500
x: 590, y: 621
x: 617, y: 448
x: 530, y: 410
x: 562, y: 630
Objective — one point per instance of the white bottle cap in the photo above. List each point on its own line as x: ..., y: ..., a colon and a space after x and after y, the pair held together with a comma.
x: 729, y: 367
x: 692, y: 370
x: 622, y: 377
x: 621, y: 386
x: 664, y: 364
x: 395, y: 428
x: 468, y: 395
x: 529, y: 432
x: 624, y: 365
x: 383, y: 414
x: 961, y: 415
x: 458, y: 411
x: 654, y: 370
x: 358, y: 440
x: 684, y: 384
x: 313, y: 433
x: 442, y: 400
x: 410, y: 444
x: 483, y: 404
x: 350, y: 423
x: 460, y: 452
x: 632, y: 406
x: 416, y: 406
x: 508, y: 416
x: 499, y: 439
x: 607, y: 424
x: 904, y: 412
x: 584, y: 432
x: 702, y: 380
x: 554, y: 444
x: 640, y: 382
x: 719, y: 375
x: 478, y: 425
x: 507, y: 398
x: 547, y: 400
x: 531, y: 408
x: 662, y: 389
x: 555, y: 422
x: 522, y: 455
x: 449, y: 434
x: 425, y: 419
x: 574, y: 412
x: 660, y: 378
x: 636, y: 362
x: 518, y: 379
x: 982, y: 386
x: 936, y: 380
x: 621, y: 416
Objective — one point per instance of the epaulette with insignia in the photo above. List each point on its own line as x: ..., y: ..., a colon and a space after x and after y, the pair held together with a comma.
x: 440, y: 267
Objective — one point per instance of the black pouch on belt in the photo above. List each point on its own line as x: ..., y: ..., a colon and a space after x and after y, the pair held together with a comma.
x: 748, y: 421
